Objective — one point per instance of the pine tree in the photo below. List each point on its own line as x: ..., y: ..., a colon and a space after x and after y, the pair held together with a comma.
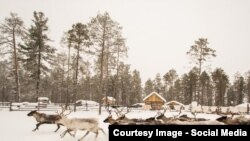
x: 5, y: 83
x: 186, y: 90
x: 148, y: 88
x: 200, y: 53
x: 231, y: 96
x: 169, y: 78
x: 78, y: 37
x: 206, y: 89
x: 221, y: 82
x: 136, y: 90
x: 11, y: 30
x: 193, y: 77
x: 125, y: 85
x: 248, y: 86
x: 158, y: 84
x: 240, y: 87
x: 39, y: 54
x: 103, y: 31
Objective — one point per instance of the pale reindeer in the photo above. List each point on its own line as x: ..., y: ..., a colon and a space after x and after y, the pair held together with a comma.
x: 74, y: 124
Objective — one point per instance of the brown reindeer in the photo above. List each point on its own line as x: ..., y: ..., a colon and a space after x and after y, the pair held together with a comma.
x: 43, y: 118
x: 234, y: 121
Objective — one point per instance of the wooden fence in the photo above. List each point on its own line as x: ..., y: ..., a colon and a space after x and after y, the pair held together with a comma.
x: 25, y: 106
x: 12, y: 106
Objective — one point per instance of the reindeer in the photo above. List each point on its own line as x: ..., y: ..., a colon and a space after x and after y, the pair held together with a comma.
x: 241, y: 120
x: 110, y: 119
x: 43, y: 118
x: 122, y: 119
x: 74, y: 124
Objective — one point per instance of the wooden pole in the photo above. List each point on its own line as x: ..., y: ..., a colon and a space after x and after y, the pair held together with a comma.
x: 248, y: 108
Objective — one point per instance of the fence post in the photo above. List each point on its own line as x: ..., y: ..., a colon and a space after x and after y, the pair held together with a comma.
x: 10, y: 106
x: 38, y: 106
x: 86, y: 104
x: 74, y: 107
x: 248, y: 109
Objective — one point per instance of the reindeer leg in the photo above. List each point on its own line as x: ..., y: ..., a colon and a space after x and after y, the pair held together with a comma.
x: 84, y: 136
x: 58, y: 126
x: 73, y: 135
x: 64, y: 133
x: 96, y: 134
x: 37, y: 126
x: 102, y: 131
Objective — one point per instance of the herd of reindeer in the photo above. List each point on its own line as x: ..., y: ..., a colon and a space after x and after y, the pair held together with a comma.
x: 92, y: 124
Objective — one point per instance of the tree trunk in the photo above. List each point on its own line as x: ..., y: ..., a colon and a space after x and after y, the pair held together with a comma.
x: 199, y: 77
x: 101, y: 80
x: 117, y: 76
x: 67, y: 96
x: 38, y: 68
x: 76, y: 77
x: 102, y: 59
x: 16, y: 68
x: 107, y: 76
x: 248, y: 87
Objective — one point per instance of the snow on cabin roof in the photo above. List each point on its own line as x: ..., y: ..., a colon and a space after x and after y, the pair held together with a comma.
x: 174, y: 102
x: 43, y: 98
x: 87, y: 101
x: 155, y: 94
x: 242, y: 105
x: 110, y: 98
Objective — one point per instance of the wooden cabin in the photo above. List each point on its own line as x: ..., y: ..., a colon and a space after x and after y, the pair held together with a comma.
x: 155, y: 100
x: 108, y: 100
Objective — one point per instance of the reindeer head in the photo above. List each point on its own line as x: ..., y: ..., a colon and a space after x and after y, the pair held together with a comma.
x: 62, y: 114
x: 222, y: 119
x: 32, y: 113
x: 109, y: 119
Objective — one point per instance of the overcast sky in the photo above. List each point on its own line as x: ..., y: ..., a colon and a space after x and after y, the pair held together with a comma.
x: 158, y: 32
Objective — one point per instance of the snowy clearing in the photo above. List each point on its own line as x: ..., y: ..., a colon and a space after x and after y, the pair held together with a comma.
x: 17, y: 126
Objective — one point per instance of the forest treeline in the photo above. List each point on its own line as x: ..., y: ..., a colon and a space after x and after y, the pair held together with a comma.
x: 90, y: 64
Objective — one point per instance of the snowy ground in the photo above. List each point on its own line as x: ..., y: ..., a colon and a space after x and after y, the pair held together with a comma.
x: 16, y: 126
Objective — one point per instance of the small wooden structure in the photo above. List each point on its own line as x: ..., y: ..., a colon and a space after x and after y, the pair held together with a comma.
x: 154, y: 100
x: 173, y: 104
x: 44, y: 100
x: 108, y: 100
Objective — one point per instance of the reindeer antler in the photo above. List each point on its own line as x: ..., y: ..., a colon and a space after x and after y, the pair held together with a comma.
x: 194, y: 113
x: 63, y: 110
x: 108, y: 110
x: 118, y: 112
x: 128, y: 110
x: 70, y: 111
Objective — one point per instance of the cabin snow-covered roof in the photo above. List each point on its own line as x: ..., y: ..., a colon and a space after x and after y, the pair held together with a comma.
x: 43, y: 98
x: 109, y: 98
x: 243, y: 105
x: 174, y: 103
x: 154, y: 93
x: 87, y: 101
